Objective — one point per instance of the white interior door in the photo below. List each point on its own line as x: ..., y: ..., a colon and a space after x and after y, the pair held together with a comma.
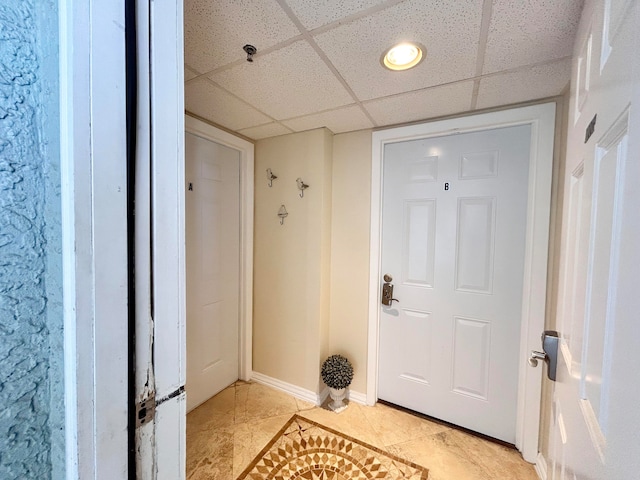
x: 453, y: 239
x: 213, y: 267
x: 594, y: 430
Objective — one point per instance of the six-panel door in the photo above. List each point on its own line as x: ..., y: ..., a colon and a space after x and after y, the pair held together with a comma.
x: 454, y: 220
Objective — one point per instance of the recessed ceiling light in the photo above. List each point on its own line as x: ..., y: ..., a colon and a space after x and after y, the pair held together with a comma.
x: 403, y: 56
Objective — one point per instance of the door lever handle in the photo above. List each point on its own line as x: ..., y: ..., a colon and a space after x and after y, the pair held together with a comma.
x: 549, y: 354
x: 387, y: 294
x: 535, y: 356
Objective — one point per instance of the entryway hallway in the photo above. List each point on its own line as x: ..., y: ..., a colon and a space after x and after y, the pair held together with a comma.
x: 225, y: 434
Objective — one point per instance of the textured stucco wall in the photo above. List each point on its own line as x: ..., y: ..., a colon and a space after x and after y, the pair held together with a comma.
x: 31, y: 388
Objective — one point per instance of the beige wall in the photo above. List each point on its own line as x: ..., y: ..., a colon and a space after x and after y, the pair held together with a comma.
x: 312, y: 275
x: 291, y: 261
x: 350, y: 251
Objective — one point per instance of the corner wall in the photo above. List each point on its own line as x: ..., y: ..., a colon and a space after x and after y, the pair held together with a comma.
x: 292, y: 261
x: 350, y: 226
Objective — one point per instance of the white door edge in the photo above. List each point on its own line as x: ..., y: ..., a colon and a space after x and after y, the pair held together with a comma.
x: 93, y: 146
x: 246, y: 149
x: 542, y: 120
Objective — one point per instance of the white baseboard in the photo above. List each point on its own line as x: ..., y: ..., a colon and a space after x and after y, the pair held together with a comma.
x: 303, y: 393
x: 293, y: 390
x: 541, y: 466
x: 357, y: 397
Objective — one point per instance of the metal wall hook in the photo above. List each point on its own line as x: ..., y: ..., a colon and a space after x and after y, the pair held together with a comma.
x: 282, y: 213
x: 271, y: 177
x: 301, y: 186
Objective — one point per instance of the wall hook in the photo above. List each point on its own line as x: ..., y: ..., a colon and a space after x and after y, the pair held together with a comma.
x: 301, y: 186
x: 282, y: 213
x: 271, y: 177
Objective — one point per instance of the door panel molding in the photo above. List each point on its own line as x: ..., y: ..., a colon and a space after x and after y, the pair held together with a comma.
x: 542, y: 120
x: 246, y: 149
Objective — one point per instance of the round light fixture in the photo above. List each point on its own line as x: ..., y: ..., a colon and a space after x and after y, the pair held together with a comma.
x: 403, y: 56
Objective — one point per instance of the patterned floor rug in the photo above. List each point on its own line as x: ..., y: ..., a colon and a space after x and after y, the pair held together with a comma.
x: 305, y: 450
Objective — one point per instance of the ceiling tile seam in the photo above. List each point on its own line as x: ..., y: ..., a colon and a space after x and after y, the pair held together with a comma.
x: 487, y: 10
x: 354, y: 17
x: 193, y: 70
x: 241, y: 100
x: 283, y: 4
x: 277, y: 122
x: 465, y: 80
x: 217, y: 125
x: 289, y: 41
x: 524, y: 67
x: 424, y: 89
x: 260, y: 53
x: 320, y: 112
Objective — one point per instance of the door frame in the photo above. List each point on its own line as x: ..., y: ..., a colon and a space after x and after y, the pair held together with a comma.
x: 542, y: 120
x: 93, y: 173
x: 246, y: 149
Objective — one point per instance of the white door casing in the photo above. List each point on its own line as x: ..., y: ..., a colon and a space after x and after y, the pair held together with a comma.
x: 94, y: 238
x: 594, y: 420
x: 212, y: 190
x: 94, y: 190
x: 454, y: 220
x: 541, y: 118
x: 245, y: 150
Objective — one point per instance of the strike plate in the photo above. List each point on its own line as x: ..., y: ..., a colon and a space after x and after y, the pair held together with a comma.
x: 146, y: 410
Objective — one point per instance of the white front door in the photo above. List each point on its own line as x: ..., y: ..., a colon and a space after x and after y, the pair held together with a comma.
x: 594, y: 424
x: 453, y: 239
x: 213, y: 267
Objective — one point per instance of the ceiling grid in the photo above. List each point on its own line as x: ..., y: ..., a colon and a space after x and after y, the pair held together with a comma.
x: 318, y: 61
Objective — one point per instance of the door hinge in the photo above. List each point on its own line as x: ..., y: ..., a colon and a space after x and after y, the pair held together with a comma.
x: 146, y: 410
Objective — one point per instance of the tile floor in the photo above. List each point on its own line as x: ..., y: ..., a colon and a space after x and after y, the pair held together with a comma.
x: 228, y: 431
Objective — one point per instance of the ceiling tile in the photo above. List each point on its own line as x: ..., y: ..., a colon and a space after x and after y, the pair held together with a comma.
x: 524, y: 85
x: 189, y: 74
x: 344, y: 119
x: 421, y: 105
x: 289, y: 82
x: 449, y: 31
x: 315, y: 13
x: 216, y: 31
x: 522, y: 33
x: 264, y: 131
x: 216, y: 105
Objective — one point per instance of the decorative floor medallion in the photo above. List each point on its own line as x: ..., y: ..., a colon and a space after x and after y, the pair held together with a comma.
x: 305, y: 450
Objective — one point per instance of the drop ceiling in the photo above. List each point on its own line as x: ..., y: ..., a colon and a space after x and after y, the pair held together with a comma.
x: 318, y: 61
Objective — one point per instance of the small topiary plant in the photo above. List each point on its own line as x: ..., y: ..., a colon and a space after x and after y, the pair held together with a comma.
x: 337, y: 372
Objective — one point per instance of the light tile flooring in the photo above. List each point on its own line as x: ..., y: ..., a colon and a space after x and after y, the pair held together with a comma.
x: 228, y: 431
